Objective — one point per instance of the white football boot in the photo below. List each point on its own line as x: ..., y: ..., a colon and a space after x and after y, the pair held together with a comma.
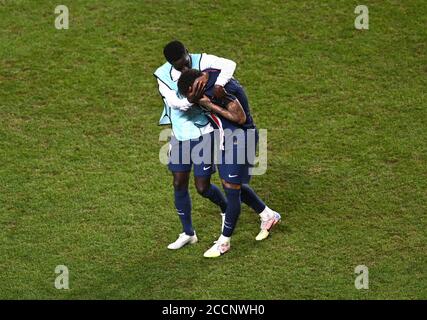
x: 268, y: 221
x: 218, y: 249
x: 182, y: 240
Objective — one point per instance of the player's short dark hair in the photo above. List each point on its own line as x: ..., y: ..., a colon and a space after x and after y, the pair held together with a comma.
x: 187, y: 79
x: 174, y: 51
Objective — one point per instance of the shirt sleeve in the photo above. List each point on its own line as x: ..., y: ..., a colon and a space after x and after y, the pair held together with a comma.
x: 172, y: 99
x: 226, y: 66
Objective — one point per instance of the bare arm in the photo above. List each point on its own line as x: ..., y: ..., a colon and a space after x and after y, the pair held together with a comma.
x: 233, y: 111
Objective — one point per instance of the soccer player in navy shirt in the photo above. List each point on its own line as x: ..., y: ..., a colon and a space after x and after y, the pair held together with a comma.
x: 240, y: 134
x: 191, y: 126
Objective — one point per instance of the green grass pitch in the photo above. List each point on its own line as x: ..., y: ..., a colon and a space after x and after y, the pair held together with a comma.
x: 81, y: 184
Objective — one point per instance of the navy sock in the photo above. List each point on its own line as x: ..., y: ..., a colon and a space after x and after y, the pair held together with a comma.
x: 232, y: 212
x: 183, y: 208
x: 250, y: 198
x: 216, y: 196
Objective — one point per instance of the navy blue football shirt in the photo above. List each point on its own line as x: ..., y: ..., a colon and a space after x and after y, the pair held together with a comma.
x: 234, y: 91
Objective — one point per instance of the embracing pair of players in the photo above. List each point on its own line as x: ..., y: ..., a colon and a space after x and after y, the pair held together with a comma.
x: 204, y: 103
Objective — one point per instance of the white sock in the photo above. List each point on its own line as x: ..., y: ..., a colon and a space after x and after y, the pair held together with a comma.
x: 224, y: 239
x: 266, y: 214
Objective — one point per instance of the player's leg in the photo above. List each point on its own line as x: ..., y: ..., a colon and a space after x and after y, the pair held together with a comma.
x: 231, y: 174
x: 210, y: 191
x: 183, y: 201
x: 204, y: 167
x: 251, y: 199
x: 268, y: 217
x: 183, y: 208
x: 232, y: 213
x: 181, y: 176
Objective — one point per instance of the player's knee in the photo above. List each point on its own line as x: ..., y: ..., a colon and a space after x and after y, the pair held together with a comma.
x: 180, y: 181
x: 180, y: 185
x: 202, y: 188
x: 229, y: 185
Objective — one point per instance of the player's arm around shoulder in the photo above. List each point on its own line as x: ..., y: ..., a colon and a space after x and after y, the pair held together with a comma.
x: 226, y: 67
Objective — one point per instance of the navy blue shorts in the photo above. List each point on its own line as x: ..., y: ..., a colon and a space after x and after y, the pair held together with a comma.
x: 237, y: 160
x: 198, y: 153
